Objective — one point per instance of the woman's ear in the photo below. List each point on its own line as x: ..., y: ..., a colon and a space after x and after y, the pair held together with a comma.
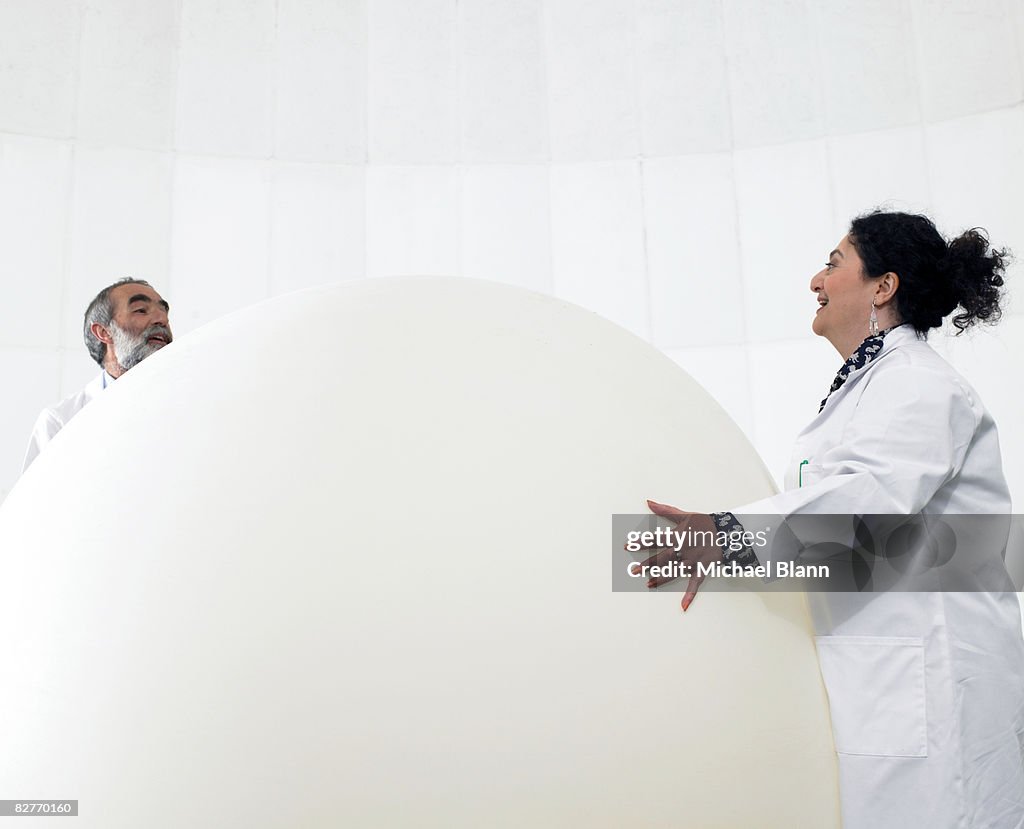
x: 887, y: 285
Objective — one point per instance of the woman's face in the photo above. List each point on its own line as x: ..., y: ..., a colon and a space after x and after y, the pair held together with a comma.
x: 844, y: 298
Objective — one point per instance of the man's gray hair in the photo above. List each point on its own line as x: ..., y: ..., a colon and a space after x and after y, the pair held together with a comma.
x: 101, y: 310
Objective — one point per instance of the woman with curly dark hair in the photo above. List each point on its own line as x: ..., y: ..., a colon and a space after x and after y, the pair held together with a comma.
x: 926, y: 688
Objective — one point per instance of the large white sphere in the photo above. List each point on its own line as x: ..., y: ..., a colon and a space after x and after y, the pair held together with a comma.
x: 343, y: 559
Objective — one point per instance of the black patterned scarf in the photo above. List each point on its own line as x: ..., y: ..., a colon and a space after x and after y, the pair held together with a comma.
x: 865, y: 353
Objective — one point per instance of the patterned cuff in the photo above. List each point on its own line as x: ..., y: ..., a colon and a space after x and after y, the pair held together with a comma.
x: 727, y: 523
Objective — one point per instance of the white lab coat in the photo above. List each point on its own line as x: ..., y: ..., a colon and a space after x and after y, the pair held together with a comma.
x: 926, y: 689
x: 51, y: 421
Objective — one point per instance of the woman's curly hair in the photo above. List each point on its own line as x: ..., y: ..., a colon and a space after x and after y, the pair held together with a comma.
x: 936, y: 278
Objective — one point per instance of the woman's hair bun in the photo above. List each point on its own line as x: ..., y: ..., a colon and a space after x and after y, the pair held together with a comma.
x: 936, y: 278
x: 975, y: 275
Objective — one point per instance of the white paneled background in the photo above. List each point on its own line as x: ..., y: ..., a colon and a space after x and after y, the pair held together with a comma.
x: 681, y: 167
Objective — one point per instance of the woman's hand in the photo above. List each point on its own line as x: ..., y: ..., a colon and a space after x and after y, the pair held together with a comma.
x: 696, y: 527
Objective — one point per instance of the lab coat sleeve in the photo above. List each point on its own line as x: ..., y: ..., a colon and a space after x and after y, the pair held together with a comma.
x: 47, y: 426
x: 908, y: 437
x: 732, y: 532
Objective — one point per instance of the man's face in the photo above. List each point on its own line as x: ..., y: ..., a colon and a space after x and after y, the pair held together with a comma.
x: 140, y: 326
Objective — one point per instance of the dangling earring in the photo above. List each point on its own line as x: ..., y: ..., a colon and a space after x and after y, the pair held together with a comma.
x: 873, y: 320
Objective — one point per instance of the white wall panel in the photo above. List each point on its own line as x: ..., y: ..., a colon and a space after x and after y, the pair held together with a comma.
x: 318, y: 218
x: 786, y: 231
x: 506, y: 225
x: 969, y: 60
x: 597, y: 241
x: 412, y: 221
x: 501, y: 81
x: 76, y: 367
x: 873, y: 169
x: 221, y: 239
x: 412, y: 89
x: 977, y: 175
x: 1017, y: 13
x: 121, y: 212
x: 35, y: 180
x: 683, y: 85
x: 868, y: 64
x: 788, y: 382
x: 724, y: 372
x: 38, y: 68
x: 37, y: 388
x: 592, y: 86
x: 225, y: 77
x: 127, y: 67
x: 774, y: 72
x: 693, y: 251
x: 321, y: 80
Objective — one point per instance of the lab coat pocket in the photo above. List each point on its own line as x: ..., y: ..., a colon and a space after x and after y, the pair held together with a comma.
x: 876, y: 693
x: 808, y: 473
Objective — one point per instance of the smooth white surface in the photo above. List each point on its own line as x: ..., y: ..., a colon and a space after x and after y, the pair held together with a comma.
x: 412, y: 80
x: 791, y: 243
x: 225, y: 77
x: 964, y: 199
x: 681, y: 68
x: 39, y: 42
x: 412, y: 220
x: 74, y: 372
x: 503, y: 116
x: 127, y: 77
x: 35, y: 180
x: 887, y: 167
x: 692, y: 251
x: 318, y: 223
x: 987, y: 71
x: 725, y: 374
x: 774, y: 72
x: 495, y: 199
x: 592, y: 85
x: 357, y: 572
x: 597, y: 240
x: 320, y: 98
x: 221, y: 243
x: 863, y: 50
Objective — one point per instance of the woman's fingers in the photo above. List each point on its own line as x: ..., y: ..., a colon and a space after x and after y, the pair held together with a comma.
x: 636, y: 568
x: 665, y: 511
x: 662, y: 557
x: 674, y: 561
x: 692, y: 586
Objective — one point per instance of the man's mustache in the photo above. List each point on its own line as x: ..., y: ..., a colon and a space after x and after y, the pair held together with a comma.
x: 158, y: 331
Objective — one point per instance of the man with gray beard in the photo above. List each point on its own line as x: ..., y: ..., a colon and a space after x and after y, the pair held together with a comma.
x: 124, y: 324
